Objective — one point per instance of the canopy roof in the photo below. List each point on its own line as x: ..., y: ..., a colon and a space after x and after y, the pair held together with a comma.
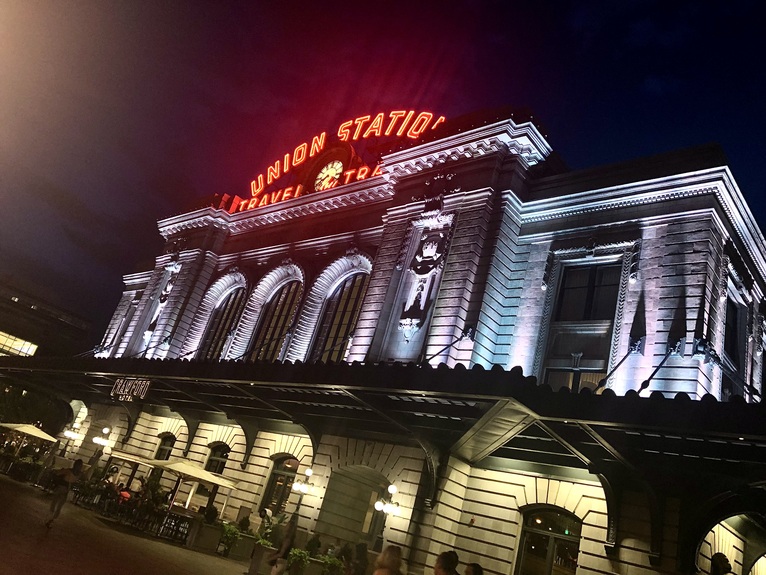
x: 493, y: 418
x: 29, y: 429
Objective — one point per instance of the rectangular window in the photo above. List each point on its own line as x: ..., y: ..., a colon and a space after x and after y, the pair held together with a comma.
x: 580, y: 333
x: 731, y: 332
x: 588, y: 293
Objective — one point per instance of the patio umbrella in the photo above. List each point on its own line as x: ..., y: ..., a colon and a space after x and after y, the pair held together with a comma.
x: 131, y: 458
x: 190, y: 472
x: 28, y: 429
x: 187, y: 471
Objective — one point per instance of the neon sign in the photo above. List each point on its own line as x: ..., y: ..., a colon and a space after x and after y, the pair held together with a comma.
x: 397, y: 124
x: 125, y: 389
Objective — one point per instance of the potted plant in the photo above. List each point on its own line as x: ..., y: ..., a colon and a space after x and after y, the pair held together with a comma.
x: 297, y: 560
x: 331, y: 565
x: 244, y: 545
x: 229, y: 537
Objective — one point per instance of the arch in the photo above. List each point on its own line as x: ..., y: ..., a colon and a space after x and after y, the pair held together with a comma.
x: 707, y: 514
x: 324, y: 285
x: 165, y: 445
x: 549, y: 539
x: 284, y: 470
x: 214, y: 296
x: 268, y: 285
x: 348, y: 509
x: 218, y: 456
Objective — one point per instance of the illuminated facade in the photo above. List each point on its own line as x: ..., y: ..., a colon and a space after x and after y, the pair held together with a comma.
x: 464, y: 245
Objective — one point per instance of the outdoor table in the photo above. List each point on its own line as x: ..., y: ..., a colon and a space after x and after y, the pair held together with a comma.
x: 176, y: 525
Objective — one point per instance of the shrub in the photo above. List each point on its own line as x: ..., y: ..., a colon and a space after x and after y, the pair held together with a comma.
x: 331, y: 565
x: 229, y: 537
x: 298, y: 558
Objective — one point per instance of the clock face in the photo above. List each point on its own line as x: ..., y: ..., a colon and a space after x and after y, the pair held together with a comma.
x: 328, y: 176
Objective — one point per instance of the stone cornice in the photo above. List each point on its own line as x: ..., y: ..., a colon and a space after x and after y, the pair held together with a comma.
x: 717, y: 182
x: 353, y: 194
x: 506, y: 137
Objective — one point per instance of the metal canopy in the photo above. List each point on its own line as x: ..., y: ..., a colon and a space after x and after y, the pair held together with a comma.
x: 708, y: 454
x: 474, y: 414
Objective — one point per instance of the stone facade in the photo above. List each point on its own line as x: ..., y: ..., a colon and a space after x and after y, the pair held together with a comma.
x: 468, y: 241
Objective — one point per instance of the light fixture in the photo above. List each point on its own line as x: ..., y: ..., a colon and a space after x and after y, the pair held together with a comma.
x: 303, y: 486
x: 106, y: 431
x: 386, y: 505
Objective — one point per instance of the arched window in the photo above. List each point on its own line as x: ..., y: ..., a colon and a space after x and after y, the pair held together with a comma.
x: 219, y: 455
x: 280, y: 484
x: 216, y: 463
x: 276, y: 317
x: 338, y: 319
x: 164, y: 449
x: 221, y: 325
x: 550, y: 542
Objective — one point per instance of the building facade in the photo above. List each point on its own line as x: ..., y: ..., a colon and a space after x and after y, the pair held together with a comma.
x: 557, y: 371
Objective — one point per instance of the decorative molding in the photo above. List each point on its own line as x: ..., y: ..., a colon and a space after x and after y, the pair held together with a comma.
x: 213, y: 297
x: 545, y: 322
x: 627, y: 251
x: 576, y: 205
x: 325, y: 284
x: 272, y: 282
x: 523, y: 141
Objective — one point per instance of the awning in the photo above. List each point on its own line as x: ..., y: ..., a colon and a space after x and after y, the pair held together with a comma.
x: 28, y: 429
x: 190, y: 472
x: 131, y: 457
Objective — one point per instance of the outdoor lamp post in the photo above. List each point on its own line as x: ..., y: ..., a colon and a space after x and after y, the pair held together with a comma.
x: 70, y: 433
x: 388, y: 507
x: 302, y: 486
x: 102, y: 439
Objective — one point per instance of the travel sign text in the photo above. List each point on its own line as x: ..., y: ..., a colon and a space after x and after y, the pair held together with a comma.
x: 395, y: 124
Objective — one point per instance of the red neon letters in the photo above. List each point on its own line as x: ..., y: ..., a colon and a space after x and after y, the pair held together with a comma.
x: 398, y: 123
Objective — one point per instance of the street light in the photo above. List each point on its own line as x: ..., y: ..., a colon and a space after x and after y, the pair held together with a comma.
x: 70, y: 433
x: 386, y: 504
x: 303, y: 486
x: 100, y: 439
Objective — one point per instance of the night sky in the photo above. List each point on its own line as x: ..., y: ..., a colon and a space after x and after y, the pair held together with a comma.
x: 114, y: 114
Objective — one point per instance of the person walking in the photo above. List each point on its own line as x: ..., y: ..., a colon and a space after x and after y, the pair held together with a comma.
x: 446, y: 563
x: 278, y: 559
x: 61, y: 481
x: 389, y: 562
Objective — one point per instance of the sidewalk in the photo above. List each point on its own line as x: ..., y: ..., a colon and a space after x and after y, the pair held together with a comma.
x: 81, y: 543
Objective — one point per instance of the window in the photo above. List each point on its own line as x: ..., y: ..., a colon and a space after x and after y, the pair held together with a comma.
x: 581, y: 330
x: 276, y: 318
x: 221, y: 325
x: 216, y: 463
x: 550, y: 542
x: 280, y: 484
x: 338, y: 319
x: 734, y: 347
x: 588, y: 293
x: 10, y: 345
x: 164, y: 449
x: 219, y: 455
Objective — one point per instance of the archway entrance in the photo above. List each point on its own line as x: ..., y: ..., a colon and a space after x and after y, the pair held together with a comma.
x: 741, y: 539
x: 348, y: 511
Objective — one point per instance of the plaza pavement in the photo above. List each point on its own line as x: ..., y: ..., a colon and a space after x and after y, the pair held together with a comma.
x: 81, y: 543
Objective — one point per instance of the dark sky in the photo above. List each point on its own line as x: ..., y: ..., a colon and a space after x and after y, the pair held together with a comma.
x: 114, y: 114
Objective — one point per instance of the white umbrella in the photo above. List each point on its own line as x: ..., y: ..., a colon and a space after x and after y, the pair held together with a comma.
x: 28, y: 429
x: 189, y: 471
x: 131, y: 458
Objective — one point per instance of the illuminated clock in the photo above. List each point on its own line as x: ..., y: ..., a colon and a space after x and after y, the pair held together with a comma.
x: 328, y: 176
